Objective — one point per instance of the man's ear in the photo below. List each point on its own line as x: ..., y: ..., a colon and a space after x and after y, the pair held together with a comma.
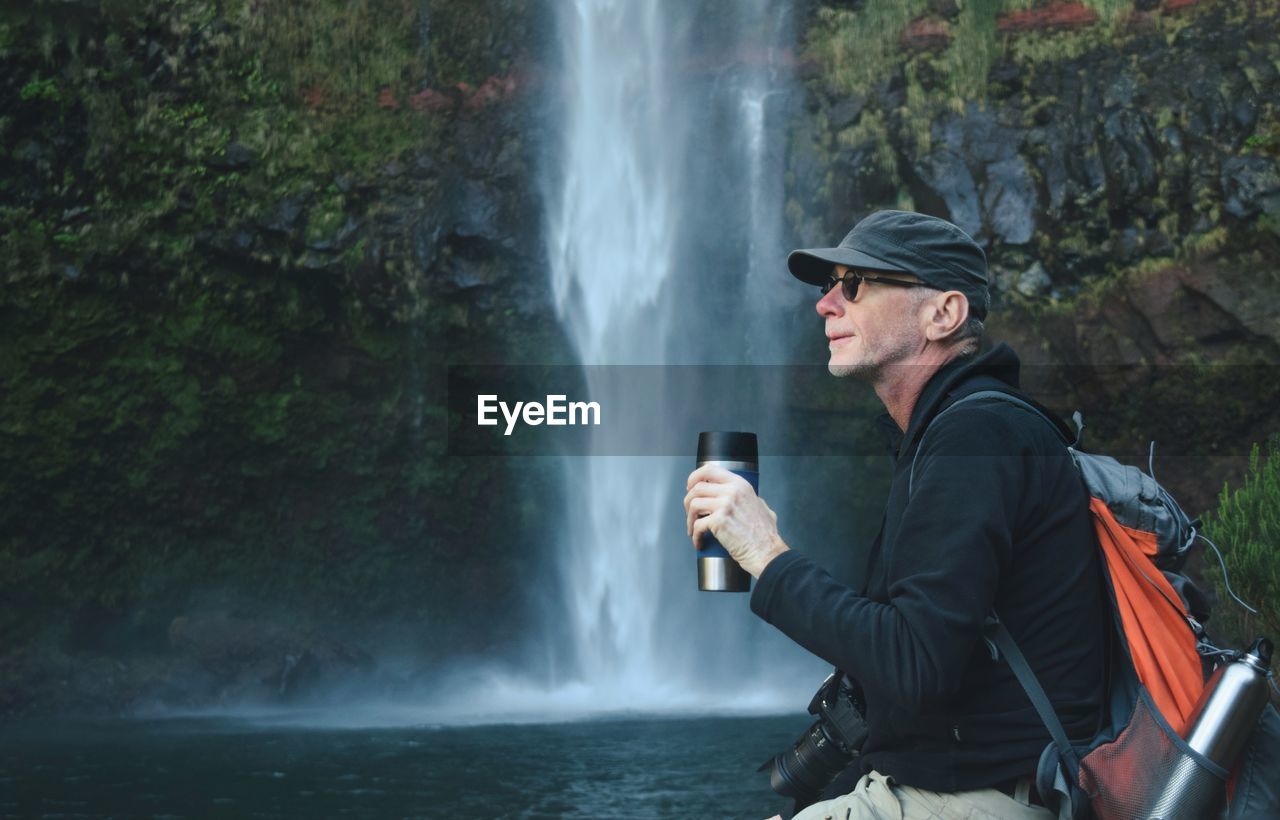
x: 947, y: 313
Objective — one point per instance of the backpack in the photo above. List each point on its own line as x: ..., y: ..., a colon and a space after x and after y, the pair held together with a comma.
x: 1159, y: 657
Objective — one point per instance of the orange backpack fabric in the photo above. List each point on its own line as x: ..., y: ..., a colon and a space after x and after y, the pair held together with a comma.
x: 1153, y: 618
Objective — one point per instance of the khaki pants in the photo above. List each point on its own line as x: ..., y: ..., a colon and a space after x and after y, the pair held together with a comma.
x: 877, y: 797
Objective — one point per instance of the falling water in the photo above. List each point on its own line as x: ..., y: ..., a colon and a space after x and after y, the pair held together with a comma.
x: 667, y: 211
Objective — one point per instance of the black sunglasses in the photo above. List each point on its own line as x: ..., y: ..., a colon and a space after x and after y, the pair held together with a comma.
x: 850, y: 281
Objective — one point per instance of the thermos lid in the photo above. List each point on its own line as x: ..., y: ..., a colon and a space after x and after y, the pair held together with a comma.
x: 1262, y: 649
x: 723, y: 446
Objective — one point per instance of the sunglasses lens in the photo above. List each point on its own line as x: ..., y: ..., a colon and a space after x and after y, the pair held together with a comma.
x: 848, y: 285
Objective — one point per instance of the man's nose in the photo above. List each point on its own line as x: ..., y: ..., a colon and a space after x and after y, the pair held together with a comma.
x: 830, y: 304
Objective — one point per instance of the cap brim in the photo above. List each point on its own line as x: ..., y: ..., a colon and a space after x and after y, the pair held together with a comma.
x: 813, y: 265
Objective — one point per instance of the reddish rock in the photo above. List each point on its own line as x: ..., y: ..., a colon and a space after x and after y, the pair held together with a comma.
x: 491, y: 91
x: 387, y: 99
x: 430, y: 101
x: 1140, y: 21
x: 926, y: 34
x: 1058, y: 15
x: 314, y: 97
x: 1178, y: 5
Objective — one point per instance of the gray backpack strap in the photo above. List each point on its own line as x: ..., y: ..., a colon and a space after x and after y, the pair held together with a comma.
x: 998, y: 634
x: 1069, y: 801
x: 981, y: 394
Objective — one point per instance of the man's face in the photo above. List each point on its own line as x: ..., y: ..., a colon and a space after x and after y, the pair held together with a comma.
x: 880, y: 327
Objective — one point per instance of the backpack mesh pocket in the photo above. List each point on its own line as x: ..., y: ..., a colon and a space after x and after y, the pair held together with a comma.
x: 1125, y: 778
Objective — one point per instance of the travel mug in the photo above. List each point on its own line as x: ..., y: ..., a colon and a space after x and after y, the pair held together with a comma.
x: 736, y: 452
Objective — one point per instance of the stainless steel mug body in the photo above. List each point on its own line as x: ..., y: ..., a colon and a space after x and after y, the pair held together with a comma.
x: 736, y: 452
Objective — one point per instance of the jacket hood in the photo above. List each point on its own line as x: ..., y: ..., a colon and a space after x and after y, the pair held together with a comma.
x: 997, y: 369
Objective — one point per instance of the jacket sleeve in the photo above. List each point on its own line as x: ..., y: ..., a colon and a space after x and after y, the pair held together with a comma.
x: 955, y: 536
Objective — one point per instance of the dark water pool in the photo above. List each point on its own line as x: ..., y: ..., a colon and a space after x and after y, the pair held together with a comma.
x: 616, y: 768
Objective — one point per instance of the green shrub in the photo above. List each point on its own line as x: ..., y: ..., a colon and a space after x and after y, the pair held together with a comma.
x: 1246, y: 527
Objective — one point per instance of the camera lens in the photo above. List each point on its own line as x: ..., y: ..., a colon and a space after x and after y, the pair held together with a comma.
x: 804, y: 770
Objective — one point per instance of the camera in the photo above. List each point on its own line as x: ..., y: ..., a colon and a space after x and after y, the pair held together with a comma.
x: 826, y: 747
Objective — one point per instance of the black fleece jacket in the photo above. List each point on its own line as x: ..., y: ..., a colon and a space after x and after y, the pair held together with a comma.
x: 997, y: 518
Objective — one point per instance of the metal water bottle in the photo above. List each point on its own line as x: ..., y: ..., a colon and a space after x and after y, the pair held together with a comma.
x: 736, y: 452
x: 1221, y: 724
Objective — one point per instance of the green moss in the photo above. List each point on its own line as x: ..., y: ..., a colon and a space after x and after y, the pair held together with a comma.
x: 858, y: 48
x: 871, y: 128
x: 336, y: 54
x: 968, y: 60
x: 45, y: 90
x: 1266, y: 140
x: 1207, y: 243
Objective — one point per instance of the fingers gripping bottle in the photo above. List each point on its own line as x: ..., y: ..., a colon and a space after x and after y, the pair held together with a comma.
x: 736, y: 452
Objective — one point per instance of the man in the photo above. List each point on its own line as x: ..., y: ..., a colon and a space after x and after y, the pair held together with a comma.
x: 985, y: 513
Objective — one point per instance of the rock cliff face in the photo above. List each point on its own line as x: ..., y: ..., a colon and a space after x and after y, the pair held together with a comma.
x: 1120, y: 171
x: 238, y: 254
x: 241, y: 243
x: 1081, y: 153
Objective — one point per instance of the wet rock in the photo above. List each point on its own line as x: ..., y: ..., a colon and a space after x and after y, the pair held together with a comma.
x: 1130, y: 244
x: 1005, y: 78
x: 1172, y: 138
x: 1009, y: 200
x: 1003, y: 278
x: 480, y: 144
x: 947, y: 176
x: 980, y: 176
x: 235, y: 660
x: 979, y: 136
x: 846, y: 111
x: 805, y: 164
x: 475, y: 211
x: 425, y: 235
x: 341, y: 238
x: 466, y: 273
x: 1119, y: 92
x: 856, y: 183
x: 1250, y: 185
x: 288, y: 216
x: 944, y: 8
x: 1034, y: 281
x: 317, y: 261
x: 235, y: 242
x: 237, y: 157
x: 1127, y: 155
x: 241, y: 240
x: 29, y: 151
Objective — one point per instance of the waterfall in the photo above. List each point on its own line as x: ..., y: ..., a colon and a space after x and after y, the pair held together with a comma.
x: 667, y: 210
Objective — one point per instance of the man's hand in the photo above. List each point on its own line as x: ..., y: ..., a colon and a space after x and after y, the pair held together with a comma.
x: 724, y: 504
